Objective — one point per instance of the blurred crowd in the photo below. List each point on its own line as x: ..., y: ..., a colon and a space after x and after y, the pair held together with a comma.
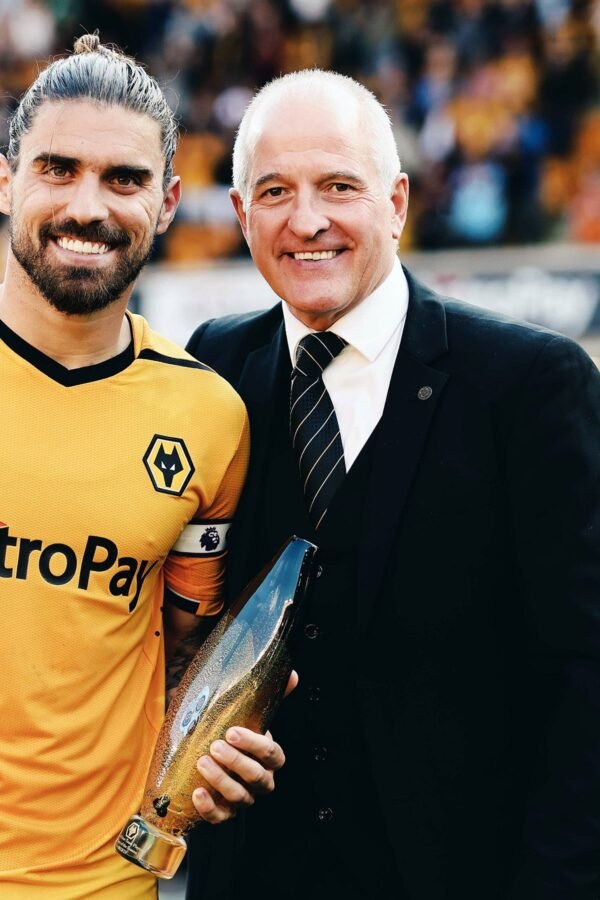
x: 495, y: 103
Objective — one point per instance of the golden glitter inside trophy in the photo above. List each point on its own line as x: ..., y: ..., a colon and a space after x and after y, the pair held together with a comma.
x: 238, y: 677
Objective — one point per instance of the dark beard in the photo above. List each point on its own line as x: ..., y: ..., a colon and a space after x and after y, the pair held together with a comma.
x: 78, y: 290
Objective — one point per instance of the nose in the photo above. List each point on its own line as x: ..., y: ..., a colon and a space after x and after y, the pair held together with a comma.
x: 86, y: 202
x: 307, y: 219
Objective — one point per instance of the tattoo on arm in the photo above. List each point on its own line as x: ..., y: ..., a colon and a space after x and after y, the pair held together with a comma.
x: 183, y: 651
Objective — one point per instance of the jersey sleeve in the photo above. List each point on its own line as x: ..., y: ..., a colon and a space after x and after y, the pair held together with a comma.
x: 195, y: 568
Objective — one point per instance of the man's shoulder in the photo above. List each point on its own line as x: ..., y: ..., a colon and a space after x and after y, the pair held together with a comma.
x: 498, y: 336
x: 484, y: 346
x: 256, y: 321
x: 177, y: 380
x: 465, y: 322
x: 225, y: 341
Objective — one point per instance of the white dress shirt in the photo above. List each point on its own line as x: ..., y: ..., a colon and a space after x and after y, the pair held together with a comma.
x: 358, y: 379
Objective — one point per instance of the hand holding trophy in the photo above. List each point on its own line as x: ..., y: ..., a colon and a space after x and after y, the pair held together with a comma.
x: 238, y: 677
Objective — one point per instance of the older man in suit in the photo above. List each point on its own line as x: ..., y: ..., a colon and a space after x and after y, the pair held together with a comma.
x: 444, y: 742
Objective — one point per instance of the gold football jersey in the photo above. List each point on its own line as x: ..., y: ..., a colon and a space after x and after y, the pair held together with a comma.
x: 118, y: 483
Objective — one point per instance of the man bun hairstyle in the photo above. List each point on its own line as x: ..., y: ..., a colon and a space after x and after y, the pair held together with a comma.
x: 90, y: 43
x: 103, y: 74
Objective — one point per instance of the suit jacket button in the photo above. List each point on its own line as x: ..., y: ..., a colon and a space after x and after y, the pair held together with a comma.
x: 311, y: 631
x: 325, y: 814
x: 320, y: 754
x: 424, y: 393
x: 314, y: 694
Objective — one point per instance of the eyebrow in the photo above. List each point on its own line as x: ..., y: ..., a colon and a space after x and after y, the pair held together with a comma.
x: 337, y: 175
x: 342, y: 175
x: 136, y: 171
x: 270, y: 176
x: 71, y: 162
x: 55, y: 158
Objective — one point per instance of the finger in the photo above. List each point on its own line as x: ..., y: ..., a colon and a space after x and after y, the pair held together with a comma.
x: 261, y: 746
x: 292, y: 683
x: 211, y: 810
x: 225, y: 784
x: 244, y: 771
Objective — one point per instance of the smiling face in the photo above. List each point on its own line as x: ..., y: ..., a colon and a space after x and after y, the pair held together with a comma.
x: 322, y: 229
x: 86, y: 200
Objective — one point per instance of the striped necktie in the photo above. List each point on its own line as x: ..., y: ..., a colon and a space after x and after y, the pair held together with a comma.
x: 314, y: 428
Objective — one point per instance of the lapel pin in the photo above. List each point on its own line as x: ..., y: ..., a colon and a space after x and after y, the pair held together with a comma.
x: 424, y: 393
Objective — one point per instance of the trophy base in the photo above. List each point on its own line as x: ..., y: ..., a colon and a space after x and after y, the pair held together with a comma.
x: 153, y: 850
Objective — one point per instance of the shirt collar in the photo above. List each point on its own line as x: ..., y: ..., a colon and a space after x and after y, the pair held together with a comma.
x: 369, y: 325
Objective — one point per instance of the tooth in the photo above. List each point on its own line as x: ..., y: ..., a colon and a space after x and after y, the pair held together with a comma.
x: 81, y: 246
x: 317, y: 254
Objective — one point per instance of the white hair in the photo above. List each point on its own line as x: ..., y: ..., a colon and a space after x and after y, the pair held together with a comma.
x: 307, y: 84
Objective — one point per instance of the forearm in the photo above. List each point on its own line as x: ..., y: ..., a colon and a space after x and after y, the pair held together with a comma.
x: 184, y: 635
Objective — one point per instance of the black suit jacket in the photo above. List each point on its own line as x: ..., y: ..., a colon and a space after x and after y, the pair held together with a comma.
x: 479, y: 586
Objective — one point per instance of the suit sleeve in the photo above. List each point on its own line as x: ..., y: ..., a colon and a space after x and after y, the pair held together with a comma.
x: 554, y: 486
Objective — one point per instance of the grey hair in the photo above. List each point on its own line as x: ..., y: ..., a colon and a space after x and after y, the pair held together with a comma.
x: 99, y: 73
x: 309, y: 83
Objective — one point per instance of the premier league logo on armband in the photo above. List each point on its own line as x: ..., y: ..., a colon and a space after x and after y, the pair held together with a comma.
x: 168, y: 464
x: 210, y: 539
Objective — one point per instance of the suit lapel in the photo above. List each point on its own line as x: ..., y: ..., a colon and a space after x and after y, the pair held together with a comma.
x: 414, y: 392
x: 266, y: 370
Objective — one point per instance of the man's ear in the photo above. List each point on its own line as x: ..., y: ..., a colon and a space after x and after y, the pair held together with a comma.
x: 170, y: 204
x: 399, y: 200
x: 5, y: 185
x: 238, y: 205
